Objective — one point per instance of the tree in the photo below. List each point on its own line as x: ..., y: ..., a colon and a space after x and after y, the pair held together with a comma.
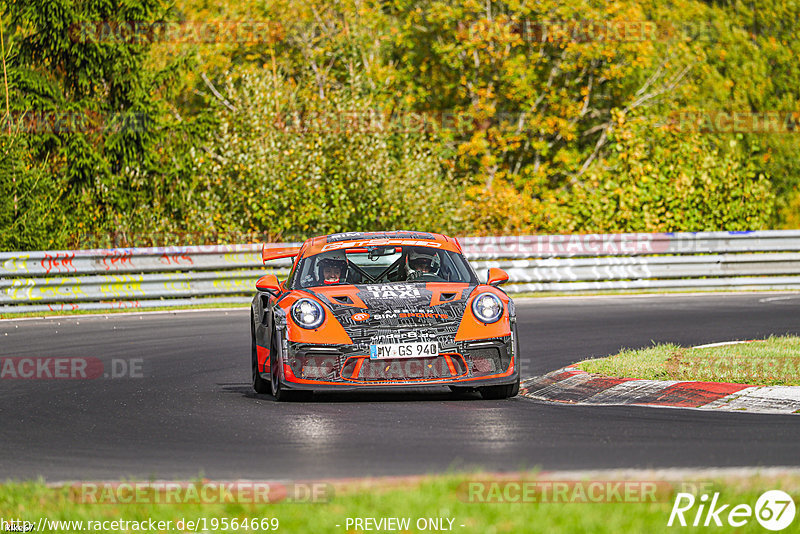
x: 93, y: 115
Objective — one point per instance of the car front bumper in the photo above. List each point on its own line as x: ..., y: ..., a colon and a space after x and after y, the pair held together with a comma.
x: 470, y: 364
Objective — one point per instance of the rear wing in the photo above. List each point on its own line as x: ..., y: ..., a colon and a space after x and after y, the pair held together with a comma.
x: 271, y: 252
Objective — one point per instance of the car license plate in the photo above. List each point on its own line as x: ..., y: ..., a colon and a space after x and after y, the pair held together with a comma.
x: 387, y: 351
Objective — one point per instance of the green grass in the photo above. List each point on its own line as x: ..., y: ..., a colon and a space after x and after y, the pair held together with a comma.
x: 430, y: 497
x: 774, y: 361
x: 62, y: 313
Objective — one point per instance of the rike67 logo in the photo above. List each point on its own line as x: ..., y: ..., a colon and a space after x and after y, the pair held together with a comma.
x: 774, y: 510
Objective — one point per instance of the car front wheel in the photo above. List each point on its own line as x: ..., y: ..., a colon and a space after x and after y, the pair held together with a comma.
x: 259, y: 384
x: 500, y: 392
x: 280, y: 393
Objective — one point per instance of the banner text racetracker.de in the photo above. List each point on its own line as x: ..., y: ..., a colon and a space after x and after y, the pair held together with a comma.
x: 184, y: 275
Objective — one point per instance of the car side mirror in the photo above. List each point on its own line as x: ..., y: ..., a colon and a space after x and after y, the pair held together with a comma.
x: 269, y: 284
x: 496, y: 277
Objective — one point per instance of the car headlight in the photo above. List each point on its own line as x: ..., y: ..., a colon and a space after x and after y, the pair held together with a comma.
x: 308, y: 313
x: 487, y: 307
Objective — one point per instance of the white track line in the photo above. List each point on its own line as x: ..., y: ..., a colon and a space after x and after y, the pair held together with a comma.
x: 773, y: 299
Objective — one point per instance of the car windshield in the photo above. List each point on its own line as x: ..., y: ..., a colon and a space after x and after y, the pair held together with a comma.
x: 381, y: 265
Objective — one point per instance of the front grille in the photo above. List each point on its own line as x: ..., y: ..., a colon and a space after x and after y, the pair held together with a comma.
x: 418, y: 369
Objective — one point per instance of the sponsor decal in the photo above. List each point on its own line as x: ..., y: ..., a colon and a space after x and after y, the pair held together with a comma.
x: 424, y: 315
x: 411, y: 335
x: 381, y: 242
x: 387, y: 315
x: 360, y: 316
x: 406, y: 313
x: 352, y: 236
x: 345, y: 236
x: 393, y: 291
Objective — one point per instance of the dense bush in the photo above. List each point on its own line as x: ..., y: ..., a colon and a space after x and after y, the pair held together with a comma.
x: 320, y: 165
x: 526, y: 131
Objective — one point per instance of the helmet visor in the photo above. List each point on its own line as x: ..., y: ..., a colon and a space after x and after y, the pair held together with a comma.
x: 421, y: 264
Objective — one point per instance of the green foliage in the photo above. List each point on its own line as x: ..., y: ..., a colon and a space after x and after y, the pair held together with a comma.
x: 24, y: 218
x: 554, y: 131
x: 307, y: 166
x: 539, y: 104
x: 658, y: 180
x: 87, y: 114
x: 747, y: 61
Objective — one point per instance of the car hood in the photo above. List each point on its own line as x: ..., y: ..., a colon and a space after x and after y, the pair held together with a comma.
x: 395, y: 305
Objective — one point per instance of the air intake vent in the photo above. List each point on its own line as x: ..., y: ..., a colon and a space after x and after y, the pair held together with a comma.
x: 344, y: 299
x: 487, y: 361
x: 349, y: 367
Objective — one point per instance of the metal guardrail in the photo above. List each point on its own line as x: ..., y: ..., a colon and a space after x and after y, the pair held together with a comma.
x: 184, y: 275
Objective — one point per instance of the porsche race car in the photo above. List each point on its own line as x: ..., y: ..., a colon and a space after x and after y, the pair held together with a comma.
x: 396, y: 309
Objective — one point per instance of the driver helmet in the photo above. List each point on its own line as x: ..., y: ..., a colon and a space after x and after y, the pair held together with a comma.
x: 419, y: 262
x: 332, y: 269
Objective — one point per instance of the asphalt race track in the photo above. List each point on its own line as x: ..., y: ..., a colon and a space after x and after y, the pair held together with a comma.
x: 192, y: 411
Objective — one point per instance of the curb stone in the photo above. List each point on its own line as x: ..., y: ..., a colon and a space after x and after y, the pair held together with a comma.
x: 570, y: 385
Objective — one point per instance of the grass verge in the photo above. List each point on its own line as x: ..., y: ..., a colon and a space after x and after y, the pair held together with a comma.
x: 62, y: 313
x: 446, y: 497
x: 771, y: 362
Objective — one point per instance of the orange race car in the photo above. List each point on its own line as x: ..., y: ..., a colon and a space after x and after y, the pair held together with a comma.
x: 362, y: 310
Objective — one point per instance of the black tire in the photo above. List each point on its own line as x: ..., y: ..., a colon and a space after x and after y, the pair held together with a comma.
x: 259, y: 384
x: 500, y: 392
x: 275, y: 382
x: 280, y: 393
